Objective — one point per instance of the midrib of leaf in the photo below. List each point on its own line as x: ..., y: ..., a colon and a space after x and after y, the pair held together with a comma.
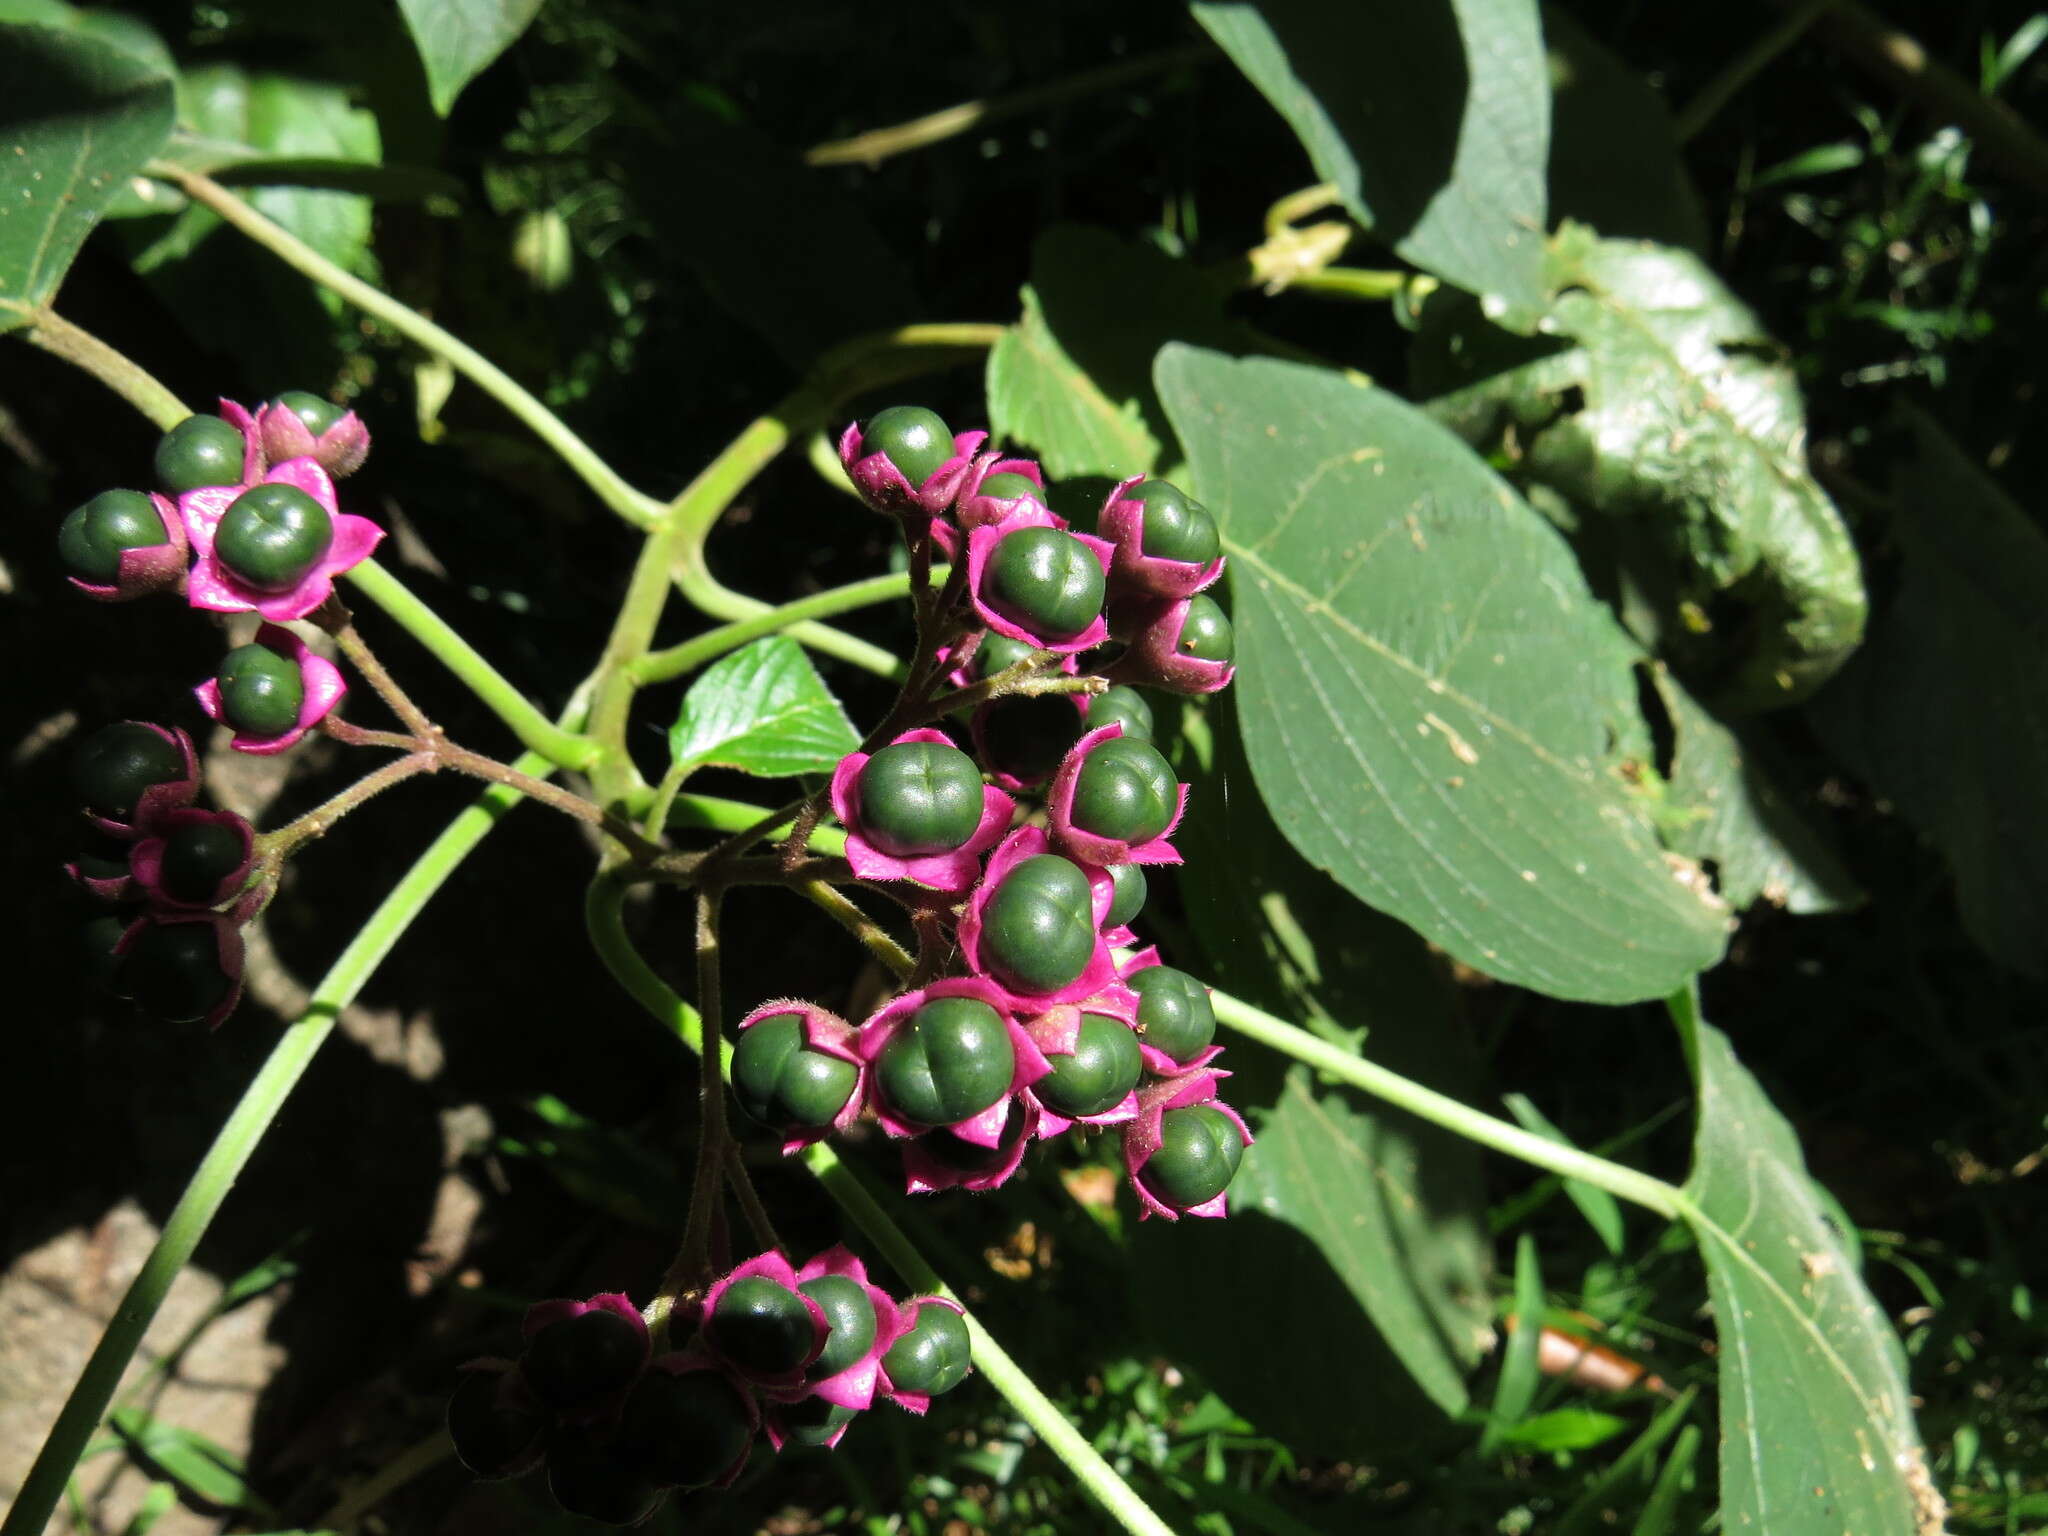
x: 756, y: 726
x: 33, y: 287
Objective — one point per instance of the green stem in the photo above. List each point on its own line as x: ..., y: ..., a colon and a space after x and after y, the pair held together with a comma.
x: 677, y: 660
x: 535, y: 731
x: 872, y: 935
x: 602, y: 479
x: 710, y: 813
x: 231, y: 1150
x: 128, y: 379
x: 1359, y: 283
x: 1440, y: 1109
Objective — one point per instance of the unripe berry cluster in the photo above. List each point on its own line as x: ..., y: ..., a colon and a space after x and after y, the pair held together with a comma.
x: 792, y: 1353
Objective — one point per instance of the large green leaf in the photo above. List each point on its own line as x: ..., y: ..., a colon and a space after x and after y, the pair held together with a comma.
x: 1431, y: 698
x: 764, y: 710
x: 1432, y: 119
x: 1659, y: 396
x: 1817, y: 1435
x: 458, y: 39
x: 78, y: 117
x: 1945, y: 712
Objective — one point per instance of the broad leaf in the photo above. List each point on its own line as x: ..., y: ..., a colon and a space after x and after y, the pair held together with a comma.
x: 1817, y: 1435
x: 1431, y: 699
x: 458, y: 39
x: 763, y: 710
x: 1432, y: 119
x: 78, y: 117
x: 1660, y: 397
x: 1945, y: 712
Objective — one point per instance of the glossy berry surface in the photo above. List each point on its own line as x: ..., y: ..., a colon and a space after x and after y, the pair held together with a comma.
x: 261, y: 692
x: 198, y: 856
x: 1103, y: 1068
x: 173, y: 971
x: 1046, y: 580
x: 948, y: 1062
x: 272, y: 536
x: 116, y: 763
x: 199, y: 451
x: 92, y: 539
x: 573, y: 1362
x: 1176, y: 527
x: 1007, y: 487
x: 1026, y: 735
x: 1199, y: 1151
x: 813, y: 1421
x: 1125, y: 790
x: 1174, y: 1014
x: 934, y: 1356
x: 495, y: 1426
x: 783, y: 1085
x: 1206, y: 634
x: 999, y: 653
x: 1129, y: 899
x: 917, y: 441
x: 763, y: 1326
x: 685, y: 1429
x: 919, y: 798
x: 316, y: 414
x: 1038, y: 929
x: 1121, y: 706
x: 598, y: 1481
x: 851, y: 1315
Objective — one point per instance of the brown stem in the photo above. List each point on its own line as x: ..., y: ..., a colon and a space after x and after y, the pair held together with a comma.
x: 1009, y: 683
x: 365, y: 661
x: 933, y: 947
x: 359, y: 736
x: 749, y: 1198
x: 280, y: 844
x: 692, y: 1266
x: 476, y: 764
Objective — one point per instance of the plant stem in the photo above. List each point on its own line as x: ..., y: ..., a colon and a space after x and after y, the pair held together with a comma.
x: 130, y: 380
x: 602, y: 479
x: 749, y: 1198
x: 233, y: 1146
x: 835, y: 904
x: 414, y: 1461
x: 1440, y: 1109
x: 660, y: 666
x: 534, y: 730
x: 691, y: 1269
x: 604, y: 920
x: 711, y: 814
x: 396, y: 699
x: 287, y: 839
x: 1708, y: 101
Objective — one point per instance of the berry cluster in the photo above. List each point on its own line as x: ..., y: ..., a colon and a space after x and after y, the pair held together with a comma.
x: 245, y: 521
x: 794, y: 1353
x: 1045, y: 1018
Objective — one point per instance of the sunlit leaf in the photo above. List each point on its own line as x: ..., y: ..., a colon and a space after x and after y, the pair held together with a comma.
x: 458, y: 39
x: 763, y: 710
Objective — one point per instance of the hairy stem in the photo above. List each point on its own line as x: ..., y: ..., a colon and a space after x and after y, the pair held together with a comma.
x: 130, y: 380
x: 277, y: 846
x: 691, y: 1270
x: 836, y: 905
x: 400, y: 703
x: 749, y: 1198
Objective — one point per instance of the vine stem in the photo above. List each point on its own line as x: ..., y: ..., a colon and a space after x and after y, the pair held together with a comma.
x: 634, y: 506
x: 840, y: 908
x: 660, y: 666
x: 1440, y: 1109
x: 123, y: 375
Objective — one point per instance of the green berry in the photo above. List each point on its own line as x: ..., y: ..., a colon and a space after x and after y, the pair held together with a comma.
x: 1125, y: 790
x: 1175, y: 527
x: 1121, y: 706
x: 598, y: 1480
x: 118, y: 762
x: 572, y: 1362
x: 92, y: 539
x: 684, y: 1429
x: 948, y: 1062
x: 316, y: 414
x: 1205, y: 633
x: 261, y: 691
x: 1026, y: 735
x: 919, y: 798
x: 1038, y: 929
x: 1007, y: 487
x: 917, y: 441
x: 763, y: 1326
x: 850, y: 1313
x: 1129, y: 899
x: 1199, y: 1150
x: 173, y: 971
x: 1045, y: 580
x: 999, y: 653
x: 198, y: 856
x: 272, y: 536
x: 494, y: 1430
x: 784, y: 1085
x: 1103, y: 1068
x: 813, y: 1421
x: 97, y: 937
x: 934, y: 1356
x: 1174, y: 1014
x: 199, y: 451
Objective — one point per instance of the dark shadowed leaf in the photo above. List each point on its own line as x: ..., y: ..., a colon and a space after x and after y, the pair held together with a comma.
x: 196, y: 1464
x: 458, y: 39
x: 764, y: 710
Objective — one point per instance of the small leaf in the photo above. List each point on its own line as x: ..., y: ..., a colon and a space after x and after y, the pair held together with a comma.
x: 1563, y: 1429
x: 1432, y: 119
x: 81, y: 116
x: 458, y: 39
x: 203, y: 1469
x: 1599, y: 1208
x: 1432, y: 701
x: 1597, y: 1508
x: 156, y: 1503
x: 1660, y: 1509
x: 1516, y: 1389
x: 763, y: 710
x: 1817, y: 1434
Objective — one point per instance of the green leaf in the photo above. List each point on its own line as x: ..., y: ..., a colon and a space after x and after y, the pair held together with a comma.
x: 1725, y: 808
x: 196, y: 1464
x: 1516, y: 1388
x: 1597, y: 1508
x: 1432, y: 120
x: 1563, y: 1429
x: 1431, y: 698
x: 1660, y: 397
x: 458, y: 39
x: 1660, y: 1509
x: 1945, y: 712
x: 1817, y: 1435
x: 81, y: 117
x: 1602, y: 1212
x: 762, y: 710
x: 1039, y: 398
